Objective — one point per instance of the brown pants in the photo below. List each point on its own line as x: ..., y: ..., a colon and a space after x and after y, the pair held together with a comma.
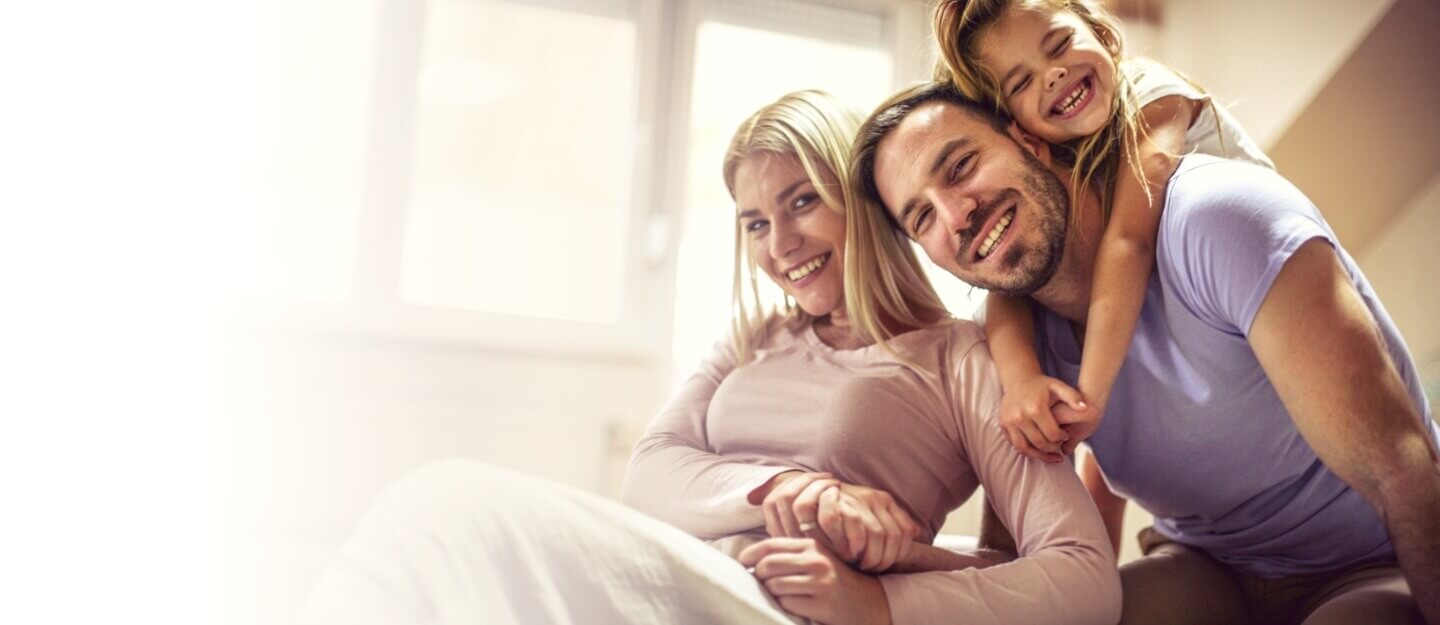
x: 1178, y: 585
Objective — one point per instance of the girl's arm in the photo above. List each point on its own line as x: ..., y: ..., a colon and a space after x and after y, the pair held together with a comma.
x: 1010, y: 330
x: 1127, y: 250
x: 1025, y: 411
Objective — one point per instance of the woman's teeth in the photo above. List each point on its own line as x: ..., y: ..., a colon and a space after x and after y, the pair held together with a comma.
x: 1068, y: 104
x: 999, y: 229
x: 800, y: 272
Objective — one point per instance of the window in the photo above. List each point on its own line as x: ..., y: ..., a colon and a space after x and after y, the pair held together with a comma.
x: 521, y: 164
x: 742, y: 62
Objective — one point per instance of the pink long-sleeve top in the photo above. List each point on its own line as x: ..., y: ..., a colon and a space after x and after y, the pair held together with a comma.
x: 871, y: 420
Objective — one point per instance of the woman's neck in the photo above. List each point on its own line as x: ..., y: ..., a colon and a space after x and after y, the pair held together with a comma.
x: 835, y: 330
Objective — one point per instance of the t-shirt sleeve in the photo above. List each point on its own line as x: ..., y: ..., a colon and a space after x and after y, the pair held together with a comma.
x: 1153, y: 81
x: 674, y: 475
x: 1066, y: 570
x: 1227, y: 231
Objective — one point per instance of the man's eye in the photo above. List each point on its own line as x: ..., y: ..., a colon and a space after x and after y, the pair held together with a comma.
x: 922, y: 217
x: 961, y: 168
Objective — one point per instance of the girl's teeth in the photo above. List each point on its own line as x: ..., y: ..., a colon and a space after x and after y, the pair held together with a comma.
x: 1074, y: 99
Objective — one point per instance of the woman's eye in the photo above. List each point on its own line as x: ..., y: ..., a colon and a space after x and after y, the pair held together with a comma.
x: 803, y: 202
x: 756, y: 226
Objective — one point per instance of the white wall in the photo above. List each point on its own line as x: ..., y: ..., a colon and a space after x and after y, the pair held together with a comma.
x: 1402, y: 265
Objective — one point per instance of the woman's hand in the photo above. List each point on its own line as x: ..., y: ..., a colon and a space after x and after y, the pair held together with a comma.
x: 861, y: 525
x: 808, y: 581
x: 1033, y: 429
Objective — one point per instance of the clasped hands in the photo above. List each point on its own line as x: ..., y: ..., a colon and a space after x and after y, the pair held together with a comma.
x: 825, y: 536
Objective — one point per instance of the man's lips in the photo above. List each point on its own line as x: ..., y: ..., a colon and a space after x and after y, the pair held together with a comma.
x: 988, y: 215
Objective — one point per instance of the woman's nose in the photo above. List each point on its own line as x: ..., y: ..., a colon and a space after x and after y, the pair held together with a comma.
x: 783, y: 239
x: 1053, y: 78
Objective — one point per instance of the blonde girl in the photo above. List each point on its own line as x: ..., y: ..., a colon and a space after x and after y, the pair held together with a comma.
x: 1058, y: 68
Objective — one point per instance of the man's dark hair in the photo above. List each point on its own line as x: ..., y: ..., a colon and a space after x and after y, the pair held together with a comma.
x: 889, y: 115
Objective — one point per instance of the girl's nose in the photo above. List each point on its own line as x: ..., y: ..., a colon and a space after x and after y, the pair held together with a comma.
x: 1053, y: 78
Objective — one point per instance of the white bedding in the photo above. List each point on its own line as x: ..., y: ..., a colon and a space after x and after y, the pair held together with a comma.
x: 461, y: 542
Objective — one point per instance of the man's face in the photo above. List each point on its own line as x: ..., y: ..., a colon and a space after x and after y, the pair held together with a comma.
x: 980, y: 204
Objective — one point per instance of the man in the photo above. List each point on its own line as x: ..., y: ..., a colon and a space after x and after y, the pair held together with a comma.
x: 1268, y: 413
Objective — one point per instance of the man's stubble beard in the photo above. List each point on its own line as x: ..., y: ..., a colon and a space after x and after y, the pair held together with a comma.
x: 1022, y: 271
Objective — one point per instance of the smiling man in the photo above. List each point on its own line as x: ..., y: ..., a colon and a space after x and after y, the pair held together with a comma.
x: 1268, y: 411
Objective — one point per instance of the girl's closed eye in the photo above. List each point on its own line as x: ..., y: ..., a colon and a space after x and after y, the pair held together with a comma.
x: 1060, y: 47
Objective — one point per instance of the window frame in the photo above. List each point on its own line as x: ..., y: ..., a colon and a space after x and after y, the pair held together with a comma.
x: 666, y: 32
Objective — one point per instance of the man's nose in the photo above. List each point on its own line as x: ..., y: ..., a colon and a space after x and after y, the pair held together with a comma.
x: 953, y: 212
x: 1053, y: 77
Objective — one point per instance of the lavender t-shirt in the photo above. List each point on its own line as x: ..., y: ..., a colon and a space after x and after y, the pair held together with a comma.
x: 1194, y: 431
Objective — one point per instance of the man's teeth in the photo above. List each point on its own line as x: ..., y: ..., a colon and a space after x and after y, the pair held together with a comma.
x: 1069, y: 103
x: 805, y: 269
x: 999, y: 229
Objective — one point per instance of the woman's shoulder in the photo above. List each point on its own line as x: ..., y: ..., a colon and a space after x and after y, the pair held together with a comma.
x: 950, y: 339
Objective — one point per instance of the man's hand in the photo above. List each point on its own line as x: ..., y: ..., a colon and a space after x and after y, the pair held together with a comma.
x: 808, y: 581
x: 1027, y: 416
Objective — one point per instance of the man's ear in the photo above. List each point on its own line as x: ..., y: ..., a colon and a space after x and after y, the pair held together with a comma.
x: 1037, y: 147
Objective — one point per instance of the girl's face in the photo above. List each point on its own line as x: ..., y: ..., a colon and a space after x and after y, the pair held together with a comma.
x: 1055, y: 76
x: 791, y: 233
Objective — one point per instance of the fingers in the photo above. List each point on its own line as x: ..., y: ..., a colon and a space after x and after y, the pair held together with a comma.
x: 1066, y: 393
x: 806, y: 506
x: 752, y: 555
x: 889, y: 539
x: 832, y: 523
x: 855, y: 534
x: 779, y: 505
x: 1044, y: 449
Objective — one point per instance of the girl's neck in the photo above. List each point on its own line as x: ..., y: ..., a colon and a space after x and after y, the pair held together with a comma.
x: 835, y: 330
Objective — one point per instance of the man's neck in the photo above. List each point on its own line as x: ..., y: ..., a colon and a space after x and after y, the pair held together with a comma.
x: 1068, y: 291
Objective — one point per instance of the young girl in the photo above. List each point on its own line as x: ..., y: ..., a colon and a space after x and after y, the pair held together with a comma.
x: 1058, y: 68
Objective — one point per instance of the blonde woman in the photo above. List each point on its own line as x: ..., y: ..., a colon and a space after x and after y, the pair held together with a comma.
x: 816, y: 463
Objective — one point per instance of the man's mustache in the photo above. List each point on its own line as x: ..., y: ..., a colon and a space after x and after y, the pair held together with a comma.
x: 979, y: 218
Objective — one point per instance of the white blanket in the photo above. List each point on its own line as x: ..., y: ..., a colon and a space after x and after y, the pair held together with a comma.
x: 463, y: 543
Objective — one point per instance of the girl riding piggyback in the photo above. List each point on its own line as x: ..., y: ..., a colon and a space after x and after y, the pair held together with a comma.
x: 1058, y: 68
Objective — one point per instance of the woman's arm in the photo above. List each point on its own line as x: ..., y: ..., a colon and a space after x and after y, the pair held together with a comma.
x: 1065, y: 572
x: 1127, y: 252
x: 675, y: 477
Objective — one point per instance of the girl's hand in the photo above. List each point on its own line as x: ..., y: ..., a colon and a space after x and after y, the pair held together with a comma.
x: 808, y: 581
x: 1031, y: 426
x: 779, y: 502
x: 1078, y: 424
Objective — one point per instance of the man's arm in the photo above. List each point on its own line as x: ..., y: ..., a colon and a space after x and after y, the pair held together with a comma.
x: 1323, y: 352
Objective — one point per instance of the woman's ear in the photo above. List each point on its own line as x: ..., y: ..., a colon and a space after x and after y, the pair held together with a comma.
x: 1031, y: 143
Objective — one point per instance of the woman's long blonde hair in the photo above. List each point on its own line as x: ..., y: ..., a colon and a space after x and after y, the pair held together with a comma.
x: 1094, y: 159
x: 815, y: 129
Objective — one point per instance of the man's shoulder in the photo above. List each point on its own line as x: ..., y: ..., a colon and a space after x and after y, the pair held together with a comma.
x: 1209, y: 195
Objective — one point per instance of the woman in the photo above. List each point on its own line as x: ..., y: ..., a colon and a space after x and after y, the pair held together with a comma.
x: 822, y: 460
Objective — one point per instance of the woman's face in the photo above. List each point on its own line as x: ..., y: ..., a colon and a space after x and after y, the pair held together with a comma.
x: 1055, y: 76
x: 792, y: 234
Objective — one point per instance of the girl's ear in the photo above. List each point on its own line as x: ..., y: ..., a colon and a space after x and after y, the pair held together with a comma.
x: 1029, y: 142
